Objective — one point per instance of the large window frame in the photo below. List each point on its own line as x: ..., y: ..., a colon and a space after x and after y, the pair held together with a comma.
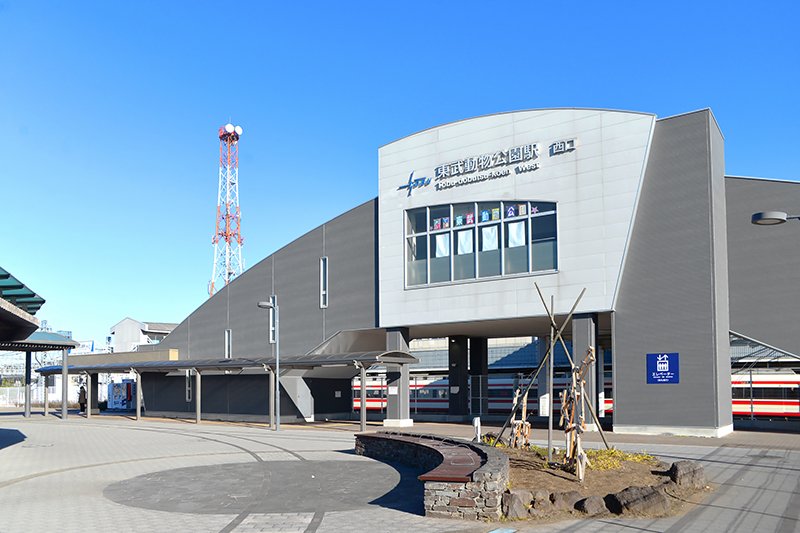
x: 420, y: 223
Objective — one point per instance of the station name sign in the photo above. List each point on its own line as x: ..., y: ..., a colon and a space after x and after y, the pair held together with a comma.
x: 486, y: 167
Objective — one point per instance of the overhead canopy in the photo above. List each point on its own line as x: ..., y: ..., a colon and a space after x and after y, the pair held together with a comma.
x: 366, y: 359
x: 39, y: 341
x: 16, y: 293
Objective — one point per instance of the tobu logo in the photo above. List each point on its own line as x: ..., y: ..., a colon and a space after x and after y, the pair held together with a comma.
x: 414, y: 183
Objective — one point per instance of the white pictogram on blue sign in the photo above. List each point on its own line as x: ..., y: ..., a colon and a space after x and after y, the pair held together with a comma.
x: 663, y: 368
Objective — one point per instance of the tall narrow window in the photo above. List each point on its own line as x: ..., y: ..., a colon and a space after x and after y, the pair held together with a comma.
x: 440, y: 257
x: 188, y: 386
x: 417, y: 260
x: 516, y: 253
x: 489, y: 254
x: 464, y: 255
x: 544, y: 251
x: 323, y: 282
x: 228, y: 343
x: 272, y: 325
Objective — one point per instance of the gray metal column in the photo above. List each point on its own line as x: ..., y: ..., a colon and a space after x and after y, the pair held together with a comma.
x: 458, y: 397
x: 64, y: 384
x: 46, y: 400
x: 138, y: 395
x: 271, y: 399
x: 197, y: 396
x: 363, y: 398
x: 88, y: 395
x: 584, y: 334
x: 93, y: 395
x: 601, y: 383
x: 397, y: 386
x: 479, y: 374
x: 27, y: 384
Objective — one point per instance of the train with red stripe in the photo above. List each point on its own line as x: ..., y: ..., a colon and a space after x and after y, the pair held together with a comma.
x: 429, y: 394
x: 762, y: 394
x: 757, y: 394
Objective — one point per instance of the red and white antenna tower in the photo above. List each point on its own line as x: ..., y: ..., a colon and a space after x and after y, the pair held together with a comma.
x: 228, y: 253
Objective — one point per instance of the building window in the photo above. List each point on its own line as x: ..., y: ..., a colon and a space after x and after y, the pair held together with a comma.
x: 228, y: 343
x: 458, y: 242
x: 188, y: 386
x: 323, y: 282
x: 544, y: 252
x: 272, y: 324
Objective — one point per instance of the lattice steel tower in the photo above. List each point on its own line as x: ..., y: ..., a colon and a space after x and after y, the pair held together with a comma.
x: 227, y: 239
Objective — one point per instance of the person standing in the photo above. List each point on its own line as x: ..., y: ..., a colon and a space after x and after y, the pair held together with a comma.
x: 82, y: 398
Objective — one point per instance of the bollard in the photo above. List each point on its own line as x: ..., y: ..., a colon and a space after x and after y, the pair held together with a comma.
x: 476, y: 423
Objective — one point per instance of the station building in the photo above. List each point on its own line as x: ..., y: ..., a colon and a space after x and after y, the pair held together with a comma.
x: 633, y: 209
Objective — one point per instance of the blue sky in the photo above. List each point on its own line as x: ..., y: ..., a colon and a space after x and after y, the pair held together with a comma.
x: 109, y: 112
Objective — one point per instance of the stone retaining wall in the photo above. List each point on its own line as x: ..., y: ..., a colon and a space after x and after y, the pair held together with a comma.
x: 477, y: 499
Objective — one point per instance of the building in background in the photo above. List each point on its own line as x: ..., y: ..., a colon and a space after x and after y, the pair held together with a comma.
x: 128, y: 334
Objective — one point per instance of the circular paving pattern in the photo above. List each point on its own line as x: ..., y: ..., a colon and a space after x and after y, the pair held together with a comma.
x: 272, y: 487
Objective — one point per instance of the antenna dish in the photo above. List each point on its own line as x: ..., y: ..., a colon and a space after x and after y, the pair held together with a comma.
x: 229, y: 128
x: 238, y: 130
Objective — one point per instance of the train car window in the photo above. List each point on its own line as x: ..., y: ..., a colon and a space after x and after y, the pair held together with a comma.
x: 774, y: 393
x: 739, y: 392
x: 423, y: 394
x: 357, y: 393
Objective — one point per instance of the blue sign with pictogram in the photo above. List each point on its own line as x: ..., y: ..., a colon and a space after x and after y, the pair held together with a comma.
x: 663, y: 368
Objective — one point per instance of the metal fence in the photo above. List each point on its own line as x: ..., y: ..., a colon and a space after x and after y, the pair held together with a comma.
x: 15, y: 396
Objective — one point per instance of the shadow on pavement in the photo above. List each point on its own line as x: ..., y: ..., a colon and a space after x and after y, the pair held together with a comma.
x: 10, y: 437
x: 407, y: 495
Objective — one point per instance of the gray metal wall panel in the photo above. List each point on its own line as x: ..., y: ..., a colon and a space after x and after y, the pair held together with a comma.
x: 324, y: 394
x: 163, y: 393
x: 249, y: 324
x: 720, y: 248
x: 764, y: 262
x: 297, y: 288
x: 295, y: 269
x: 206, y: 328
x: 351, y: 270
x: 667, y: 294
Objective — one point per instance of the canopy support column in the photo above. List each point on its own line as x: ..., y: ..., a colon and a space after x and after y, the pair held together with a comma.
x: 64, y: 383
x: 363, y: 397
x: 27, y: 384
x: 138, y: 394
x: 88, y: 395
x: 46, y: 400
x: 271, y: 398
x: 197, y: 396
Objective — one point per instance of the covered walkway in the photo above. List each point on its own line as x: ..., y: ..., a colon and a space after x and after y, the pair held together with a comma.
x: 344, y: 365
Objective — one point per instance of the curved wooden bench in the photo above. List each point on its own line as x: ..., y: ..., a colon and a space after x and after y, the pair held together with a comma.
x: 457, y: 461
x: 462, y: 480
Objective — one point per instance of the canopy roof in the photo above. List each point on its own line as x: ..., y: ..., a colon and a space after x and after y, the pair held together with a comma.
x: 39, y: 341
x: 286, y: 361
x: 16, y: 293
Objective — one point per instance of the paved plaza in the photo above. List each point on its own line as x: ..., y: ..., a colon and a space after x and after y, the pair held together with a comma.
x: 116, y: 474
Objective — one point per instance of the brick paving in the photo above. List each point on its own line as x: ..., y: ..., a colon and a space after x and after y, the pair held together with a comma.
x: 112, y: 473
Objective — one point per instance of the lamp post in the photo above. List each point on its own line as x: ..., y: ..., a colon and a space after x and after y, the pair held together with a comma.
x: 771, y: 218
x: 272, y: 305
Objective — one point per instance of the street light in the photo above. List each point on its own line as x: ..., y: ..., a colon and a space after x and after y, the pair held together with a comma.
x: 771, y: 218
x: 272, y: 305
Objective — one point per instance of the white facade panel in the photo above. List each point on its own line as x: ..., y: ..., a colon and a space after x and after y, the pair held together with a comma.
x: 595, y: 187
